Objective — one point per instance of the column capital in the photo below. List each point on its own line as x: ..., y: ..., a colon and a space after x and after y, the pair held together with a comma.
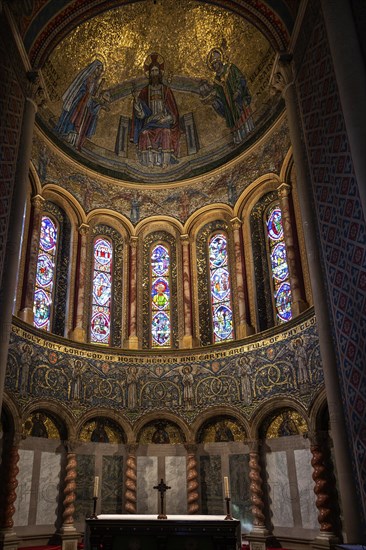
x: 70, y: 446
x: 134, y: 242
x: 191, y: 448
x: 83, y: 229
x: 38, y: 202
x: 34, y: 92
x: 236, y: 223
x: 284, y: 190
x: 282, y: 76
x: 253, y: 445
x: 185, y: 239
x: 132, y: 448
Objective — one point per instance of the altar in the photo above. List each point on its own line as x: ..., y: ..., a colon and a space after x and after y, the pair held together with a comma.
x: 146, y: 532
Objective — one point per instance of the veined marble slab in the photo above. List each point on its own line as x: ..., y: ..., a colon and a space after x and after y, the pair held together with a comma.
x: 176, y: 478
x: 279, y: 486
x: 147, y: 474
x: 23, y: 491
x: 49, y: 481
x: 309, y: 514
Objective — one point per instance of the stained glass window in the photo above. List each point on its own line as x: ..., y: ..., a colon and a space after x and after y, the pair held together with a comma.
x: 222, y: 314
x: 100, y: 325
x: 279, y: 266
x: 45, y: 274
x: 160, y: 296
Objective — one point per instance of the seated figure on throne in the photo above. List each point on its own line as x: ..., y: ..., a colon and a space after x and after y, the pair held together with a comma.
x: 155, y: 119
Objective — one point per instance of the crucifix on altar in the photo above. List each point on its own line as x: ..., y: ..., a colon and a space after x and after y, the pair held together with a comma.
x: 162, y: 488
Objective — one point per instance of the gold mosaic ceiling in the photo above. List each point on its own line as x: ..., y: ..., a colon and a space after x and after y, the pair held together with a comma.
x: 183, y: 33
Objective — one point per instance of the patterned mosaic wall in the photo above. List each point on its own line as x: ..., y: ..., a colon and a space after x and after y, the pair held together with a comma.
x: 342, y: 231
x: 11, y: 109
x: 285, y: 363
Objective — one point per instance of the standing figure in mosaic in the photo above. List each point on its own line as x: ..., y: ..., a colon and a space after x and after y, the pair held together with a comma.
x: 301, y: 357
x: 187, y: 380
x: 228, y: 95
x: 131, y: 379
x: 244, y: 374
x: 82, y: 102
x: 155, y: 119
x: 25, y: 363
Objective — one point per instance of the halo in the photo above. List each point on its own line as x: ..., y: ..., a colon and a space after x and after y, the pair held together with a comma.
x: 211, y: 56
x: 101, y: 57
x: 154, y: 60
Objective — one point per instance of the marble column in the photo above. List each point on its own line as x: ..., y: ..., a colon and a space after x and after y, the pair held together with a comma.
x: 259, y: 533
x: 131, y: 480
x: 133, y: 342
x: 8, y: 536
x: 243, y: 329
x: 78, y: 334
x: 192, y: 480
x: 187, y: 341
x: 14, y: 241
x: 282, y: 81
x: 350, y: 71
x: 298, y: 303
x: 26, y: 312
x: 68, y: 533
x: 323, y: 488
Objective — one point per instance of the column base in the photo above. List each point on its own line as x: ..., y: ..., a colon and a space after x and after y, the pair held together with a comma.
x: 324, y: 541
x: 8, y: 540
x: 244, y: 330
x: 69, y: 537
x: 78, y: 335
x: 26, y: 314
x: 133, y: 342
x: 258, y: 538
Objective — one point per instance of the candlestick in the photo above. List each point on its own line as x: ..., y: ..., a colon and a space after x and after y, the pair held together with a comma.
x: 226, y: 487
x: 96, y: 487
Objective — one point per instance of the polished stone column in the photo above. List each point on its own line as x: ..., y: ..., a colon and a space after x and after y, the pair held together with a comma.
x: 323, y: 482
x: 68, y: 533
x: 259, y: 533
x: 282, y: 80
x: 192, y: 480
x: 350, y: 71
x: 14, y: 241
x: 243, y: 329
x: 26, y: 312
x: 131, y: 480
x: 8, y: 536
x: 78, y: 334
x: 187, y: 296
x: 133, y: 338
x: 298, y: 303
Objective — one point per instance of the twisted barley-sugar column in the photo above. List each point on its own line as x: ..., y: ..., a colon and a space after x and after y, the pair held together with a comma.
x: 11, y: 484
x: 256, y: 492
x: 131, y: 478
x: 69, y: 490
x: 192, y: 477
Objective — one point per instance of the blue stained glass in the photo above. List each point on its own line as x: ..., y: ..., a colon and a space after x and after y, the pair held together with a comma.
x: 160, y: 329
x: 45, y: 274
x: 279, y: 262
x: 283, y: 302
x: 274, y: 224
x: 102, y: 287
x: 222, y: 316
x: 160, y: 296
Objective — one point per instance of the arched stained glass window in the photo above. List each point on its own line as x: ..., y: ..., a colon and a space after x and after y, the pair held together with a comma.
x: 100, y: 326
x: 160, y: 297
x: 278, y: 262
x: 45, y: 274
x: 222, y: 313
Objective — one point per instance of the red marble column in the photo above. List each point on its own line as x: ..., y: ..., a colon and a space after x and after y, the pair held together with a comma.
x: 131, y: 479
x: 187, y: 297
x: 192, y: 480
x: 298, y: 302
x: 9, y: 496
x: 259, y: 534
x: 78, y: 334
x: 26, y: 311
x: 69, y: 491
x: 133, y: 338
x: 243, y: 329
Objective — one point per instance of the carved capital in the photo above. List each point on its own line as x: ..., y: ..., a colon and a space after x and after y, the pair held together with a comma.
x: 37, y: 203
x: 131, y: 449
x: 134, y: 242
x: 34, y: 90
x: 236, y: 223
x: 70, y: 446
x: 83, y: 229
x: 184, y: 239
x: 284, y: 190
x: 282, y: 74
x: 190, y: 448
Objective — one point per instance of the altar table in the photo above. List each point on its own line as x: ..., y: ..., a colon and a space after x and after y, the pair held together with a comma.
x: 146, y: 532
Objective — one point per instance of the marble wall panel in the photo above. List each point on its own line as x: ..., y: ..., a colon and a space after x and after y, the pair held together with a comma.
x: 309, y: 515
x: 212, y: 500
x: 176, y: 478
x: 84, y: 486
x: 279, y: 490
x: 241, y: 507
x: 49, y: 489
x: 112, y: 485
x: 23, y: 491
x: 147, y: 474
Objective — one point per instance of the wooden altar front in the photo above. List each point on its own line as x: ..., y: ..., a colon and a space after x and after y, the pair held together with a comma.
x: 146, y: 532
